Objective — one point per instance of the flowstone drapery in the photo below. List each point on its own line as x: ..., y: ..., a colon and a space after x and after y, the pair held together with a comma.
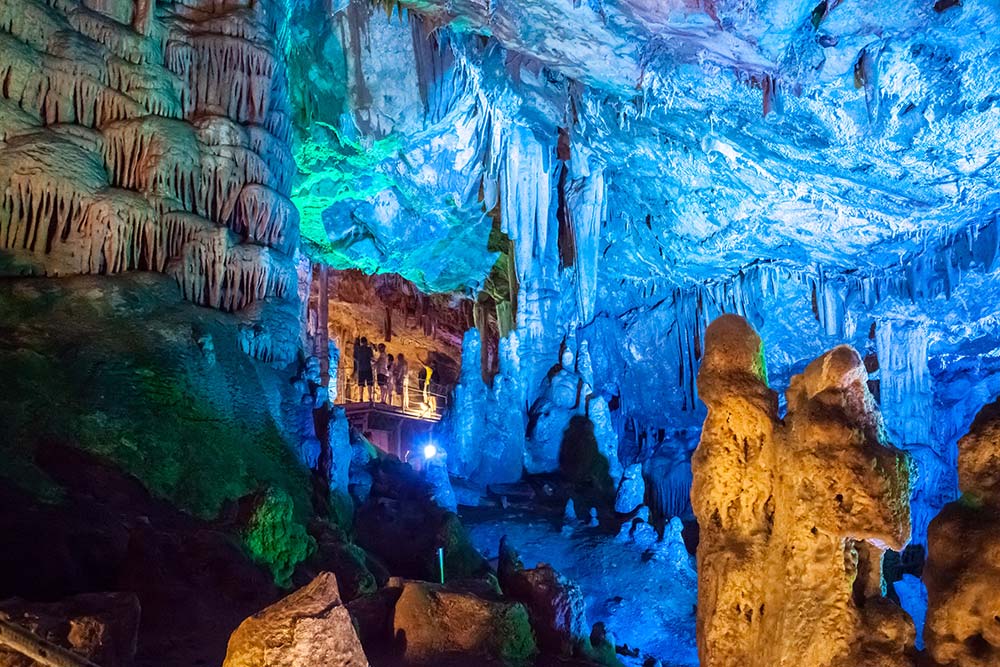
x: 142, y: 140
x: 796, y: 514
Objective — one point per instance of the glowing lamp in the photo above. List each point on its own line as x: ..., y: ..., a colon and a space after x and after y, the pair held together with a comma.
x: 430, y: 451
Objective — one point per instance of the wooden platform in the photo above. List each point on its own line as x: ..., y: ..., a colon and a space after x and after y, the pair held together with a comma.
x: 391, y: 428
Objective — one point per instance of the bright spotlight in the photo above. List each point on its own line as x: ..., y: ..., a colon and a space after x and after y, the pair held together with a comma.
x: 430, y: 451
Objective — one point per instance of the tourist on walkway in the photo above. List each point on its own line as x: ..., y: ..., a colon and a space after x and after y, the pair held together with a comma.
x: 364, y: 366
x: 401, y: 380
x: 382, y: 373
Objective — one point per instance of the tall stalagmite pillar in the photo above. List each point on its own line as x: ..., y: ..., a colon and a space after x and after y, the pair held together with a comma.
x: 962, y: 573
x: 732, y: 493
x: 795, y: 515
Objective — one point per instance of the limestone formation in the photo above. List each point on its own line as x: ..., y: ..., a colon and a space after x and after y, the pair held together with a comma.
x: 148, y: 136
x: 963, y: 565
x: 631, y: 490
x: 433, y: 623
x: 568, y: 420
x: 563, y: 395
x: 555, y: 604
x: 795, y: 515
x: 485, y: 435
x: 309, y: 628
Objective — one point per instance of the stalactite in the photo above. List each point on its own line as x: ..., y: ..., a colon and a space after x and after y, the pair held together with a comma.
x: 118, y: 10
x: 153, y: 154
x: 587, y: 207
x: 671, y: 487
x: 168, y: 171
x: 229, y: 76
x: 264, y: 216
x: 215, y: 270
x: 30, y: 21
x: 120, y: 41
x: 47, y: 181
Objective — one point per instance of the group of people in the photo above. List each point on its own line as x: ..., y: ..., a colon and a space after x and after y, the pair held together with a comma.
x: 375, y: 368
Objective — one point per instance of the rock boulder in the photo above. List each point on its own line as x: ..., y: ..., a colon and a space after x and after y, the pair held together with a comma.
x: 434, y: 623
x: 309, y: 628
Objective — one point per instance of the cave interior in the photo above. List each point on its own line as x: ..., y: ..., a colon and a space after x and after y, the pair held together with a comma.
x: 499, y: 333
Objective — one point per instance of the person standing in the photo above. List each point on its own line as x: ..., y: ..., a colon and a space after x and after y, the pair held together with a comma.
x: 391, y: 378
x: 355, y: 377
x: 382, y: 372
x: 365, y: 370
x: 401, y: 380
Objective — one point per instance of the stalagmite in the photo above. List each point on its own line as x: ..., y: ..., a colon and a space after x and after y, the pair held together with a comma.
x: 733, y: 493
x: 963, y: 558
x: 795, y: 516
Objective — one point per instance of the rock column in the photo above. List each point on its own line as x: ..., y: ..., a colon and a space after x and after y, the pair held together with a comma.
x: 962, y: 573
x: 796, y: 514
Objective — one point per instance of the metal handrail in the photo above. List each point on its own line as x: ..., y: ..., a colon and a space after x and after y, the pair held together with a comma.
x: 416, y: 402
x: 42, y: 651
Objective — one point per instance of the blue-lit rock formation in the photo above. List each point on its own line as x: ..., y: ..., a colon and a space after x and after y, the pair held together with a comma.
x: 826, y: 170
x: 587, y: 185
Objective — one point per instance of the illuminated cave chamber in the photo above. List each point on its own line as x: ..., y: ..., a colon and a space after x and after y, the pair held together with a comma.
x: 421, y: 338
x: 205, y: 203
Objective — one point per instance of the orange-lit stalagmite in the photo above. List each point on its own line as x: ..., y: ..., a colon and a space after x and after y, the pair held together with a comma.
x: 795, y: 514
x: 963, y: 565
x: 733, y: 492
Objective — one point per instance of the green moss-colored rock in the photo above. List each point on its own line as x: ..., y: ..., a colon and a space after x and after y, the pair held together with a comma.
x: 274, y: 538
x: 517, y: 642
x: 118, y: 366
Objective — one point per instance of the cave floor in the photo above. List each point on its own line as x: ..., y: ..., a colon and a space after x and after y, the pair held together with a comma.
x: 646, y: 599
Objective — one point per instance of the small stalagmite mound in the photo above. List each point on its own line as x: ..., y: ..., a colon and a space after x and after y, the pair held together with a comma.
x: 795, y: 514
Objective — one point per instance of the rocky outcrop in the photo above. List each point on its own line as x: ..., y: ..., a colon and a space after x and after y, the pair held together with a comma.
x: 135, y: 139
x: 963, y: 559
x: 433, y: 623
x: 101, y: 627
x: 309, y: 628
x: 109, y: 534
x: 795, y: 515
x: 555, y: 605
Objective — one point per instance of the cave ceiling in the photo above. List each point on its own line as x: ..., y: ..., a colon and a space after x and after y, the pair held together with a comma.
x: 843, y: 135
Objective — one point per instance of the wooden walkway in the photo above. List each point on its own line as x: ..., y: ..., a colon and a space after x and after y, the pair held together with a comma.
x: 390, y: 427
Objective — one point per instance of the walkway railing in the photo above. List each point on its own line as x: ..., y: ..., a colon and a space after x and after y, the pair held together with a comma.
x: 412, y: 401
x: 23, y: 641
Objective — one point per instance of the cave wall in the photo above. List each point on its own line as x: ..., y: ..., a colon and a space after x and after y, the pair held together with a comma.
x: 151, y: 287
x: 149, y: 136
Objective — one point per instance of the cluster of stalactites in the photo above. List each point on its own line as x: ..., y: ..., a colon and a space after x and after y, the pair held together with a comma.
x: 130, y: 141
x: 934, y: 270
x: 795, y: 513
